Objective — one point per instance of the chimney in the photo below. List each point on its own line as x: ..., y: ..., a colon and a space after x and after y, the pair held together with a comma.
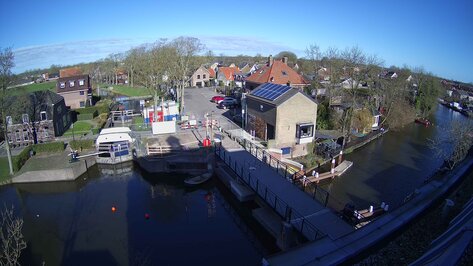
x: 270, y: 60
x: 284, y: 60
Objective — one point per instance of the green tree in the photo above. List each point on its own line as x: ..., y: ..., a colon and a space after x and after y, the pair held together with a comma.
x: 323, y: 115
x: 428, y: 90
x: 291, y: 57
x: 6, y: 64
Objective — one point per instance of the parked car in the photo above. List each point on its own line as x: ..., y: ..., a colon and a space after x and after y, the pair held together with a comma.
x: 217, y: 99
x: 228, y: 103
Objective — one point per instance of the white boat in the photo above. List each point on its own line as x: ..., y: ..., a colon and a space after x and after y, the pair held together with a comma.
x: 114, y: 145
x: 198, y: 179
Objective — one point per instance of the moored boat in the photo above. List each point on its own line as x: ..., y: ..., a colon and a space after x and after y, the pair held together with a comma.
x: 198, y: 179
x: 114, y: 145
x: 423, y: 121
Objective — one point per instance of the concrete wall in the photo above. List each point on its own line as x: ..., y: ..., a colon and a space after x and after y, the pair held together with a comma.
x: 298, y: 109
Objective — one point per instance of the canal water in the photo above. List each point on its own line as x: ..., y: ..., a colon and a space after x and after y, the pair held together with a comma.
x: 157, y: 221
x: 391, y: 167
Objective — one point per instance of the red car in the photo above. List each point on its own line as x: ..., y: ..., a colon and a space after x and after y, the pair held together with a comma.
x: 217, y: 99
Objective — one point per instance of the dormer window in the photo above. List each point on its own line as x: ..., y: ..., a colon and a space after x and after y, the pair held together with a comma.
x: 43, y: 116
x: 71, y: 83
x: 62, y: 85
x: 81, y: 82
x: 9, y: 120
x: 25, y: 118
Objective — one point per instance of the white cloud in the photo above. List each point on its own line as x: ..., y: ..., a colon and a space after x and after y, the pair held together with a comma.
x: 43, y: 56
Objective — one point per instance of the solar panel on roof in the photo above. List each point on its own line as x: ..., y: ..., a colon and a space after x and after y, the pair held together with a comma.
x: 270, y: 91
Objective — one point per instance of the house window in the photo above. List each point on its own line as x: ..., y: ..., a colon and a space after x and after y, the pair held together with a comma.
x: 305, y: 131
x: 71, y: 83
x: 82, y: 104
x: 25, y: 118
x: 204, y: 76
x: 43, y: 116
x: 62, y: 85
x: 81, y: 92
x: 81, y: 82
x: 25, y: 135
x: 198, y: 76
x: 18, y: 136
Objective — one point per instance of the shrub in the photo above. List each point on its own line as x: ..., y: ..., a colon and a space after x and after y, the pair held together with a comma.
x: 83, y: 143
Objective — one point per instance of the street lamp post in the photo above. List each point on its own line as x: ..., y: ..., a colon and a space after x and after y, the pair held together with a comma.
x: 73, y: 138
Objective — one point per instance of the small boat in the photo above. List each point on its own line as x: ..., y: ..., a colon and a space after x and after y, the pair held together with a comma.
x: 198, y: 179
x: 423, y: 121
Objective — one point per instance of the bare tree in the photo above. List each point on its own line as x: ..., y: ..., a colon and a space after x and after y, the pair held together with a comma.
x: 313, y: 55
x: 12, y: 242
x: 454, y: 145
x: 6, y: 64
x: 187, y: 48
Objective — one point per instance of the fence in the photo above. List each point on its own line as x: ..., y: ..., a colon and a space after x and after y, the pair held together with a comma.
x: 298, y: 221
x: 286, y: 171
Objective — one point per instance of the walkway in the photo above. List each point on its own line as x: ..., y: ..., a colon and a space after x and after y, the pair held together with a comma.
x: 262, y: 178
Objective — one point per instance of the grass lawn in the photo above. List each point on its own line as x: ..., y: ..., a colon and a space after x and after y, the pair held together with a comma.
x: 4, y: 169
x: 129, y: 91
x: 80, y: 127
x: 50, y: 85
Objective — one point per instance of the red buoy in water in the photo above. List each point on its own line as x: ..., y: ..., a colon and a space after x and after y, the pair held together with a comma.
x: 114, y: 209
x: 146, y: 216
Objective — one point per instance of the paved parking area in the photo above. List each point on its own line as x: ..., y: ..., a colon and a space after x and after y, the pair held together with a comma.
x: 197, y: 104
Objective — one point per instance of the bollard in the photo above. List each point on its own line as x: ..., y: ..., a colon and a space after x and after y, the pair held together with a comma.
x: 371, y: 208
x: 382, y: 205
x: 386, y: 207
x: 333, y: 163
x: 340, y: 157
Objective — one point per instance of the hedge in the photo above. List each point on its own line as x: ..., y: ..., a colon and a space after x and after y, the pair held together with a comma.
x: 86, y: 116
x: 20, y: 159
x: 83, y: 143
x: 57, y: 146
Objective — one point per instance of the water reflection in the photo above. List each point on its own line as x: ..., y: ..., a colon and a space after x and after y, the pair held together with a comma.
x: 157, y: 221
x: 391, y: 167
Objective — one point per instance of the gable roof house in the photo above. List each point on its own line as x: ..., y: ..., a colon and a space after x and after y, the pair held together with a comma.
x: 226, y: 74
x: 283, y: 116
x: 76, y: 90
x: 244, y: 67
x: 200, y: 77
x: 70, y: 72
x: 37, y: 117
x: 277, y: 72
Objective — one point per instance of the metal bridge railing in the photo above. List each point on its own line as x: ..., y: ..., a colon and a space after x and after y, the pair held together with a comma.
x: 290, y: 215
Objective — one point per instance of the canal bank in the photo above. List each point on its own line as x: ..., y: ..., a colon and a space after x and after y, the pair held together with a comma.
x: 333, y: 252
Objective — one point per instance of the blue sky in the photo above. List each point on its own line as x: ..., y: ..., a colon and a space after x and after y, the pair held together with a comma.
x: 437, y: 35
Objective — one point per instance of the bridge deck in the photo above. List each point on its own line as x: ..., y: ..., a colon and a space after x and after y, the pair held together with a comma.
x: 314, y: 212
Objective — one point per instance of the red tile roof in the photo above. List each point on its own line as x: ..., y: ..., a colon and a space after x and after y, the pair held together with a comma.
x: 212, y: 72
x: 70, y: 72
x: 278, y: 73
x: 228, y: 72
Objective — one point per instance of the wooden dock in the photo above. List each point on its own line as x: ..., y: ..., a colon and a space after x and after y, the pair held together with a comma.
x: 338, y: 171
